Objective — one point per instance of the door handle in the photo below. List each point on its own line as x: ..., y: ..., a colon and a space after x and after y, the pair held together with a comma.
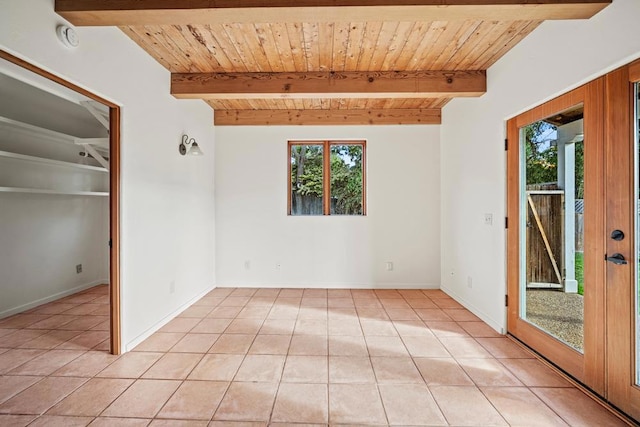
x: 616, y: 258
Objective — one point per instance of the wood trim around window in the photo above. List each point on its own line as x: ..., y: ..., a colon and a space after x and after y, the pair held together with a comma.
x: 326, y: 177
x: 114, y: 191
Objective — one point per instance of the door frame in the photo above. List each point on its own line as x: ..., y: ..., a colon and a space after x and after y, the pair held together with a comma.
x: 587, y: 367
x: 114, y: 192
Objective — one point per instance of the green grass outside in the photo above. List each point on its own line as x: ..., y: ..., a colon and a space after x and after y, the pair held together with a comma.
x: 580, y: 272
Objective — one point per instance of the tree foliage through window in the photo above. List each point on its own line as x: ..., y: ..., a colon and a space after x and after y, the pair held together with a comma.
x: 541, y: 154
x: 345, y: 195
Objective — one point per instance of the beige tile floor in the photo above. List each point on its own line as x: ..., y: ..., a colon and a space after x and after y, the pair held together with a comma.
x: 257, y: 357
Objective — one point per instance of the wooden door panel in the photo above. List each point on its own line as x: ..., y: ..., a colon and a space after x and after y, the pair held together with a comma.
x: 594, y: 307
x: 587, y: 367
x: 620, y: 153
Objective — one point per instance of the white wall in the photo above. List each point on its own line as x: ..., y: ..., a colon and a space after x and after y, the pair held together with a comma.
x: 402, y: 222
x: 167, y: 200
x: 556, y: 57
x: 43, y: 238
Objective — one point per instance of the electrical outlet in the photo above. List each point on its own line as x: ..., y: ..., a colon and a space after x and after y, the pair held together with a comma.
x: 172, y: 286
x: 488, y: 219
x: 389, y: 265
x: 78, y: 268
x: 469, y: 282
x: 247, y: 265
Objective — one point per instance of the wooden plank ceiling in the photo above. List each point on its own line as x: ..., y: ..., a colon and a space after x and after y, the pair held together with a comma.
x: 307, y: 65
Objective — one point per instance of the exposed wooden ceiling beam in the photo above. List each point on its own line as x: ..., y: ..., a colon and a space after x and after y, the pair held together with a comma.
x: 395, y: 84
x: 429, y: 116
x: 167, y: 12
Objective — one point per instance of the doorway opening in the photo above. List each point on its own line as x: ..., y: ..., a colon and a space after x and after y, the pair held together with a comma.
x: 59, y: 155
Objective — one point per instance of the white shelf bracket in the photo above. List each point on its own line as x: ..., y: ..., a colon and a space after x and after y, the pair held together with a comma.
x: 94, y: 153
x: 99, y: 143
x: 99, y: 115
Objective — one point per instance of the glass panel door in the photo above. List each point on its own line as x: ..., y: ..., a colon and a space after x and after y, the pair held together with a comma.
x: 555, y: 269
x: 552, y: 224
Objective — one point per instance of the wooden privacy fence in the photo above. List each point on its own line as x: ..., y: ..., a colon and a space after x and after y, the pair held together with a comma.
x: 308, y: 204
x: 545, y: 231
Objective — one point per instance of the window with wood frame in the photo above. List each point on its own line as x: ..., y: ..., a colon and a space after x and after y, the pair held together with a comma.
x: 327, y: 178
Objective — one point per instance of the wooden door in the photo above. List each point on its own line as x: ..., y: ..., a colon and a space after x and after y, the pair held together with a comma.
x: 621, y: 137
x: 609, y: 361
x: 531, y: 160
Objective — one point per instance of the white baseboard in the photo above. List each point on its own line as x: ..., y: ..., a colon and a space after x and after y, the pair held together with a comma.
x: 497, y: 326
x: 330, y: 285
x: 32, y: 304
x: 146, y: 334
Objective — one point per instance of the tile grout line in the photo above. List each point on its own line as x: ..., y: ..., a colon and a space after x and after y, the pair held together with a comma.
x: 575, y: 383
x: 275, y: 397
x: 375, y: 375
x: 237, y: 370
x: 182, y: 381
x: 477, y: 387
x: 384, y: 407
x: 435, y: 401
x: 134, y: 380
x: 328, y: 353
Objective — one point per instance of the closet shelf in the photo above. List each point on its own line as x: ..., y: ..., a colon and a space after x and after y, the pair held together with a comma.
x: 43, y: 160
x: 35, y: 130
x: 53, y: 192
